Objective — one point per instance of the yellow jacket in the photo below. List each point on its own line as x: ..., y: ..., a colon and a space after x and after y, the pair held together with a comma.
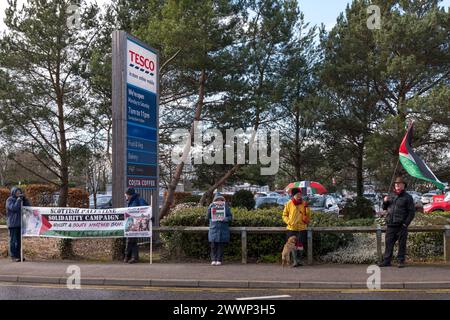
x: 296, y: 217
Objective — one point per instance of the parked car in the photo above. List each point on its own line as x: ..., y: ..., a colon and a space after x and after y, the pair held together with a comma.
x: 417, y: 197
x: 438, y: 205
x: 274, y: 194
x: 324, y: 203
x: 260, y: 194
x: 104, y: 201
x: 265, y: 200
x: 428, y: 197
x: 283, y: 200
x: 376, y: 200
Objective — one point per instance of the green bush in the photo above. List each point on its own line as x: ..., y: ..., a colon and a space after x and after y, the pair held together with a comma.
x: 260, y: 247
x: 270, y: 206
x: 425, y: 245
x: 191, y: 198
x: 243, y: 199
x: 358, y: 208
x: 2, y: 220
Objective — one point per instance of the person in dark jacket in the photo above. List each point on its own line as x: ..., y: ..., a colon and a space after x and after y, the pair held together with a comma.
x: 400, y: 213
x: 219, y: 216
x: 13, y: 219
x: 131, y: 248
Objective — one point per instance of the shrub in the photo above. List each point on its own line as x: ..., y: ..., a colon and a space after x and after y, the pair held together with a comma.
x: 259, y: 246
x: 357, y: 208
x: 362, y: 249
x: 190, y: 198
x: 421, y: 245
x: 243, y: 199
x: 270, y: 206
x: 78, y: 198
x: 4, y: 194
x: 40, y: 195
x: 178, y: 197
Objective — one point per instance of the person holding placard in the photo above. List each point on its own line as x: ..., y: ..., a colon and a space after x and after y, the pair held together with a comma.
x: 219, y: 217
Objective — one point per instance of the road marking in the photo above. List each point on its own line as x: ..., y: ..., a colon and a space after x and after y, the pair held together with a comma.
x: 196, y: 289
x: 266, y: 297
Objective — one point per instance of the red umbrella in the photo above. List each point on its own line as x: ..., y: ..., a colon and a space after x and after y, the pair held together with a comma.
x: 307, y: 187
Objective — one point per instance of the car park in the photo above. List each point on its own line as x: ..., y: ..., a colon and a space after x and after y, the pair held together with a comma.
x: 260, y: 194
x: 436, y: 206
x: 323, y: 203
x: 428, y: 197
x: 417, y: 197
x: 274, y: 194
x: 376, y: 200
x: 104, y: 201
x: 281, y: 201
x: 265, y: 201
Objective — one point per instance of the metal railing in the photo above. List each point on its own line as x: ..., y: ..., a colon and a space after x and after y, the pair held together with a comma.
x: 244, y: 231
x: 311, y: 231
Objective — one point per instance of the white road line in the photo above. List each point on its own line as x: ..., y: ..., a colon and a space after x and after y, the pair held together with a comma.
x: 265, y: 297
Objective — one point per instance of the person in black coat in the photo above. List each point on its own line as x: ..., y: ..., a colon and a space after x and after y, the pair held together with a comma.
x: 400, y: 213
x: 132, y: 248
x: 13, y: 219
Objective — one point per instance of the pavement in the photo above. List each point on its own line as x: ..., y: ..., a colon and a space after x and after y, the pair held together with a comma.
x: 203, y: 275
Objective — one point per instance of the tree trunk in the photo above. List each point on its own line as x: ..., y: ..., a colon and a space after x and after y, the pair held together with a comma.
x: 208, y: 195
x: 359, y: 171
x: 65, y: 245
x: 176, y: 177
x: 297, y: 165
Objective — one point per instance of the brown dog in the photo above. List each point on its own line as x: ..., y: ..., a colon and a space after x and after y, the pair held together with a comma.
x: 287, y: 249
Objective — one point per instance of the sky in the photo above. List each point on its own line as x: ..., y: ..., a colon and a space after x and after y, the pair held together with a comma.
x: 316, y: 11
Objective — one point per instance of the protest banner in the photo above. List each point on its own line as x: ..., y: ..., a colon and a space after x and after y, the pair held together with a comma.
x: 86, y: 223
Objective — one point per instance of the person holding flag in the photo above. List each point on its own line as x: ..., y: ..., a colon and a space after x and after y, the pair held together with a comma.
x: 400, y: 207
x: 400, y: 213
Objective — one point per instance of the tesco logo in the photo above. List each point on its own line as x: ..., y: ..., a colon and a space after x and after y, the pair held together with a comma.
x: 146, y: 64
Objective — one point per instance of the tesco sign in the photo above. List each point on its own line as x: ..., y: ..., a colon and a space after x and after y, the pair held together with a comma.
x: 142, y: 61
x: 142, y: 69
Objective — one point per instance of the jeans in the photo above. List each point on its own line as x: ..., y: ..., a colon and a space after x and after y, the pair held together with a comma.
x: 132, y: 249
x: 217, y: 249
x: 392, y: 235
x: 14, y: 242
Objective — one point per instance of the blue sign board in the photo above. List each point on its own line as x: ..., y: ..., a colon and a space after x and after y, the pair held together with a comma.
x: 142, y: 117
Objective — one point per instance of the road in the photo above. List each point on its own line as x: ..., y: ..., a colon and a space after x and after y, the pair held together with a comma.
x: 14, y: 291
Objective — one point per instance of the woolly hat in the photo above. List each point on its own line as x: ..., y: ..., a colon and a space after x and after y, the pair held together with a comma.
x: 295, y: 191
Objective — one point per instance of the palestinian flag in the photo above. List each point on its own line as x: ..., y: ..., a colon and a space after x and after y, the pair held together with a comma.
x: 413, y: 164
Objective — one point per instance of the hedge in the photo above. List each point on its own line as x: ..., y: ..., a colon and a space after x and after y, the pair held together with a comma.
x: 40, y: 195
x: 420, y: 246
x: 190, y: 198
x: 78, y: 198
x: 4, y: 194
x: 260, y: 247
x: 178, y: 197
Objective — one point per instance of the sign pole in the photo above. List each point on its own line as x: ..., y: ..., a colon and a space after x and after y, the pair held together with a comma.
x: 151, y: 250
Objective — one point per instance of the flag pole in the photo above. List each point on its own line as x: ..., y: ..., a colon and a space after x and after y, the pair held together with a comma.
x: 393, y: 176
